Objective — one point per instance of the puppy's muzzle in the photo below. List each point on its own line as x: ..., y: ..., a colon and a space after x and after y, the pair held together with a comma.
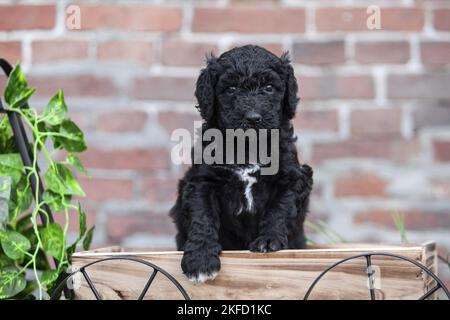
x: 253, y: 117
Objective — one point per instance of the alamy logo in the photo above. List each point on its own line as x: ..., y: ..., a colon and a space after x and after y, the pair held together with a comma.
x: 374, y: 277
x: 73, y: 17
x: 235, y: 146
x: 373, y: 21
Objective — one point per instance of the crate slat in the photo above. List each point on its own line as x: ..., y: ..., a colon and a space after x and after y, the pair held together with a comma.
x: 285, y: 274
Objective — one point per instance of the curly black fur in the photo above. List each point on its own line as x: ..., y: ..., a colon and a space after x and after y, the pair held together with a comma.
x: 211, y: 213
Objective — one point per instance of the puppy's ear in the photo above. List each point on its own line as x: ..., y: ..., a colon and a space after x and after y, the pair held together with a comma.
x: 204, y: 91
x: 291, y: 88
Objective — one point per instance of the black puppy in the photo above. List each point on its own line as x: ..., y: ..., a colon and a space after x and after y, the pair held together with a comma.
x: 234, y: 207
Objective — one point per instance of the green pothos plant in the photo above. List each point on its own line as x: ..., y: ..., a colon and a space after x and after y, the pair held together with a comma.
x: 35, y: 256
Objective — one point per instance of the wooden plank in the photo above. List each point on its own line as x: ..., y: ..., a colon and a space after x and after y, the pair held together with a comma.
x: 285, y: 274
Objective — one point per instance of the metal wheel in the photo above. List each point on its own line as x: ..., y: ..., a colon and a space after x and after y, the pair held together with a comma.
x: 370, y: 273
x: 63, y: 284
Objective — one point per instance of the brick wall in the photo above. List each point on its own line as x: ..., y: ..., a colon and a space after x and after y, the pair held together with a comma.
x: 374, y: 119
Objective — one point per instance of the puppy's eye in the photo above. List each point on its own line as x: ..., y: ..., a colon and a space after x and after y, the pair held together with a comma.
x: 268, y: 88
x: 230, y: 90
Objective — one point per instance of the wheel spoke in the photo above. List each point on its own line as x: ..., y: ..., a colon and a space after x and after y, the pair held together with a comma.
x: 91, y: 285
x: 147, y: 285
x: 430, y: 292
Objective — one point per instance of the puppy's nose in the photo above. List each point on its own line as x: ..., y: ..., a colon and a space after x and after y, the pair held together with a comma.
x: 252, y: 116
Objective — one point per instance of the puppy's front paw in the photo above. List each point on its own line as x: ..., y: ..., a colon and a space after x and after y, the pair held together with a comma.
x: 307, y: 170
x: 267, y: 243
x: 200, y: 266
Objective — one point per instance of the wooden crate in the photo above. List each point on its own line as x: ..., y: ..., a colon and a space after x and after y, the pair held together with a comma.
x: 285, y: 274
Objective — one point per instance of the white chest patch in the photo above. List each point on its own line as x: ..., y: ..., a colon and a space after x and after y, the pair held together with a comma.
x: 245, y: 176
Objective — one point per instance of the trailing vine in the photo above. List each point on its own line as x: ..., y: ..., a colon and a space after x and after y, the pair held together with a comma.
x: 33, y: 255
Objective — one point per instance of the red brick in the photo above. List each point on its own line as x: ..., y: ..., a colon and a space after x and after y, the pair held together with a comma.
x: 376, y: 123
x: 360, y: 184
x: 398, y: 151
x: 275, y: 48
x: 164, y: 88
x: 11, y: 51
x: 133, y: 159
x: 249, y: 20
x: 441, y: 19
x: 131, y: 17
x: 98, y: 189
x: 414, y: 219
x: 320, y: 121
x: 382, y: 52
x: 172, y: 120
x: 125, y: 50
x: 355, y: 87
x: 157, y: 190
x: 404, y: 151
x: 419, y: 86
x: 333, y: 86
x: 183, y: 53
x: 80, y: 85
x: 21, y: 17
x: 435, y: 114
x: 74, y: 226
x: 435, y: 53
x: 350, y: 149
x: 441, y: 150
x: 321, y: 53
x: 119, y: 227
x: 355, y: 19
x: 121, y: 121
x: 59, y: 50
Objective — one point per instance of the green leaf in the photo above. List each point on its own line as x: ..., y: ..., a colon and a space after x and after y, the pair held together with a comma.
x: 70, y: 250
x: 56, y: 109
x: 11, y: 283
x: 27, y: 293
x: 60, y: 180
x: 72, y: 138
x: 11, y: 165
x: 52, y: 237
x: 42, y: 261
x: 82, y: 222
x: 5, y: 261
x: 88, y: 238
x: 23, y: 223
x: 17, y: 92
x: 55, y: 200
x: 5, y: 196
x: 31, y: 236
x: 49, y: 277
x: 81, y: 233
x: 10, y: 162
x: 21, y: 199
x: 5, y: 127
x: 14, y: 244
x: 5, y: 132
x: 7, y: 141
x: 9, y: 145
x: 24, y: 199
x: 75, y: 162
